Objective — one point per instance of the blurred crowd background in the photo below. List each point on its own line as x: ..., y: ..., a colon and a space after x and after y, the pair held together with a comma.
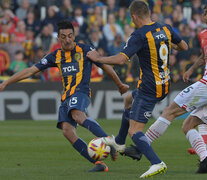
x: 28, y: 32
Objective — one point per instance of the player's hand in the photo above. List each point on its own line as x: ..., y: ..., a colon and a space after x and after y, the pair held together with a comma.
x: 123, y: 88
x: 93, y: 55
x: 186, y: 76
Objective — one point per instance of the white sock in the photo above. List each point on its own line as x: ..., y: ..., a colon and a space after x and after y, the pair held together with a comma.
x: 157, y: 129
x: 202, y: 129
x: 197, y: 143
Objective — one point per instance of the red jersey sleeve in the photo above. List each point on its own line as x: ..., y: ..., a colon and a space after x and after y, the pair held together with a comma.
x: 203, y: 40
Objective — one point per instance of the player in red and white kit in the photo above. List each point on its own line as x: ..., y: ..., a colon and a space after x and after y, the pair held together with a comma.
x: 202, y: 128
x: 192, y: 99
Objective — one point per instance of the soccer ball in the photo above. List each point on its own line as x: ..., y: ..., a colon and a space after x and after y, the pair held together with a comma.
x: 97, y: 150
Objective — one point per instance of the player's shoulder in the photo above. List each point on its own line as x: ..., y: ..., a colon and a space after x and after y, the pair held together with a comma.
x: 161, y: 25
x: 55, y: 52
x: 84, y: 47
x: 52, y: 56
x: 151, y: 27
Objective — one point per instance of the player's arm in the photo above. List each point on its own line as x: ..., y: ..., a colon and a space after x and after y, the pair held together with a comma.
x: 110, y: 72
x: 182, y: 46
x: 118, y: 59
x: 199, y: 62
x: 23, y: 74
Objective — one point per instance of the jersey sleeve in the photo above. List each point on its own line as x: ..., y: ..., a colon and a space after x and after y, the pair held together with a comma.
x: 90, y: 48
x: 46, y: 62
x: 203, y: 41
x: 133, y: 45
x: 175, y: 37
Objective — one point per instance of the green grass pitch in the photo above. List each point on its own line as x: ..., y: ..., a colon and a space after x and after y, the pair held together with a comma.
x: 32, y: 150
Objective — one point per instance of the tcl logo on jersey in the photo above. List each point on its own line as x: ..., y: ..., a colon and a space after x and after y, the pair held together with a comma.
x: 69, y: 69
x: 160, y: 36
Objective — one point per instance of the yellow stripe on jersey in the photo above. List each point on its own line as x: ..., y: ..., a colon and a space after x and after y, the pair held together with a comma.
x: 68, y: 59
x: 140, y: 78
x: 124, y: 55
x: 165, y: 67
x: 58, y: 60
x: 169, y: 40
x: 79, y: 75
x: 154, y: 65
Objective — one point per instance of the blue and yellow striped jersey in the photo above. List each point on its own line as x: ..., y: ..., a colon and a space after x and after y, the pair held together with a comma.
x: 152, y: 44
x: 74, y: 66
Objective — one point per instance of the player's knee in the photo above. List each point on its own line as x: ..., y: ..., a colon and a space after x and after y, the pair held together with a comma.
x: 78, y: 117
x: 75, y: 116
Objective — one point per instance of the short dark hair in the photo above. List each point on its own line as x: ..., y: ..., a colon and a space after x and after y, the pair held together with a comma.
x: 139, y: 8
x: 65, y: 24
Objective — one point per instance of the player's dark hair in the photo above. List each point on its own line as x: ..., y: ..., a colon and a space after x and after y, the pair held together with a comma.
x: 65, y: 24
x: 139, y: 8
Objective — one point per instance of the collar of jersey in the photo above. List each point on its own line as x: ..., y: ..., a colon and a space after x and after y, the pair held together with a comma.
x: 149, y: 24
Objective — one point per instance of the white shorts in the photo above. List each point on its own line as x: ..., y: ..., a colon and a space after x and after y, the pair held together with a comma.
x: 201, y: 113
x: 193, y: 96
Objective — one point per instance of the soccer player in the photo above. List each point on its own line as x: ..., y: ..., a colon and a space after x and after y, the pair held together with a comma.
x: 192, y: 99
x: 75, y: 69
x: 202, y: 129
x: 152, y: 42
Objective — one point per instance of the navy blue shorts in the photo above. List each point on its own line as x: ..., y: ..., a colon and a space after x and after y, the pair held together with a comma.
x: 142, y: 107
x: 79, y: 101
